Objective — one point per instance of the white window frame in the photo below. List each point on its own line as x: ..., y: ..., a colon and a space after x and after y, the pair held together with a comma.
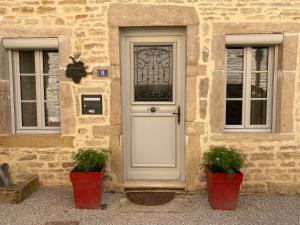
x: 16, y: 93
x: 246, y: 98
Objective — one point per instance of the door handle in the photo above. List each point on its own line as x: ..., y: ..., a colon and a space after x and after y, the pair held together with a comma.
x: 178, y: 114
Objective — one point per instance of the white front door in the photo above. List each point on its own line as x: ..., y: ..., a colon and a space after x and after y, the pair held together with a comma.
x: 153, y: 83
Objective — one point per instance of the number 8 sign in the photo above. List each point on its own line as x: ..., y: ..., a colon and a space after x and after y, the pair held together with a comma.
x: 102, y: 73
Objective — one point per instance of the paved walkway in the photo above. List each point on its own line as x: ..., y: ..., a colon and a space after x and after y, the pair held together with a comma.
x: 57, y: 205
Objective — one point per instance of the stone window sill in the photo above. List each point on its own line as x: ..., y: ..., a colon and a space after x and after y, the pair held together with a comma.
x: 36, y: 141
x: 252, y: 137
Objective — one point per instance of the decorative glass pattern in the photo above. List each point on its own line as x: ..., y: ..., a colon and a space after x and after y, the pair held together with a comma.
x: 153, y: 73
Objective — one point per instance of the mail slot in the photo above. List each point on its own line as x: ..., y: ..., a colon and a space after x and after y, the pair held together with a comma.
x: 91, y: 104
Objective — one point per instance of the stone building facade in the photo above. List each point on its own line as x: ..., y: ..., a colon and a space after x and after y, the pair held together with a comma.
x: 93, y: 29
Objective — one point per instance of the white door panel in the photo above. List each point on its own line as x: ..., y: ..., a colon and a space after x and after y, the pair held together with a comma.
x: 153, y: 141
x: 153, y: 90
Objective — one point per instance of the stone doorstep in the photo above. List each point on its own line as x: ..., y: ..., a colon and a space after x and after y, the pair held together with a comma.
x: 22, y: 188
x: 153, y: 185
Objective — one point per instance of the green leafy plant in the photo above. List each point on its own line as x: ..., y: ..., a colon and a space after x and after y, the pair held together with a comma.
x: 223, y: 160
x: 90, y: 160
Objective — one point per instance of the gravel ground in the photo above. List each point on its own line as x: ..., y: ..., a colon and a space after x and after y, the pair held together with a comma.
x: 57, y: 205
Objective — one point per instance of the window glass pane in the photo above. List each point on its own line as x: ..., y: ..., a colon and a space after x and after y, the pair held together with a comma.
x: 51, y: 87
x: 28, y: 91
x: 260, y: 59
x: 234, y: 85
x: 234, y: 112
x: 26, y: 60
x: 235, y: 59
x: 258, y: 114
x: 52, y: 114
x: 153, y: 73
x: 51, y: 62
x: 259, y: 85
x: 29, y: 115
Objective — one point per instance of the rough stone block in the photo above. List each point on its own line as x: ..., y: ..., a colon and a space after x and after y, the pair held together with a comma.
x: 196, y: 70
x: 191, y: 98
x: 262, y: 156
x: 36, y: 141
x: 99, y: 131
x: 290, y: 46
x: 28, y: 157
x: 151, y: 15
x: 283, y: 188
x: 288, y: 155
x: 253, y: 188
x: 287, y: 102
x: 218, y: 51
x: 195, y: 128
x: 203, y: 87
x: 67, y: 109
x: 217, y: 102
x: 203, y: 109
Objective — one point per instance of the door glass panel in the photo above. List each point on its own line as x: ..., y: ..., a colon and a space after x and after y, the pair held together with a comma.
x: 260, y: 59
x: 26, y: 60
x: 234, y: 112
x: 52, y: 114
x: 259, y: 85
x: 258, y: 114
x: 51, y: 87
x: 234, y: 85
x: 29, y: 115
x: 153, y: 73
x: 235, y: 59
x: 50, y: 62
x: 28, y: 91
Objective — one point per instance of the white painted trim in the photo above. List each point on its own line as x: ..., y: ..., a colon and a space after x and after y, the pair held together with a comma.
x: 16, y: 100
x: 126, y: 35
x: 245, y: 130
x: 30, y: 43
x: 271, y: 95
x: 247, y: 82
x: 11, y: 90
x: 39, y: 131
x: 253, y: 39
x: 275, y: 88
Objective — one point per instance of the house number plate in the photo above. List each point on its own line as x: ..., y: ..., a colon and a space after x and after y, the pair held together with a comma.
x: 102, y: 72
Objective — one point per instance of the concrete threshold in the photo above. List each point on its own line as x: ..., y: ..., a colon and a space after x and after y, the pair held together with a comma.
x: 155, y: 185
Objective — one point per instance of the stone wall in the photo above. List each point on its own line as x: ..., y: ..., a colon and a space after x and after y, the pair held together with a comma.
x: 91, y: 28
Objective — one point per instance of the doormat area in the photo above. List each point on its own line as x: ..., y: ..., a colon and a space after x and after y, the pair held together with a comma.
x: 180, y: 204
x: 150, y: 198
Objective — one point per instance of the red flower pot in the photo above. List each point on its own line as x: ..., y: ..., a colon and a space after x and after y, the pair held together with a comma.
x: 87, y: 189
x: 223, y: 189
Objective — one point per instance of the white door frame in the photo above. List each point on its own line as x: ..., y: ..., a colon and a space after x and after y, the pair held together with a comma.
x: 144, y: 32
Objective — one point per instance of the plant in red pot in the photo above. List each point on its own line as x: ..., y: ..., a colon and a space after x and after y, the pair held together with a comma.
x: 87, y: 177
x: 223, y: 176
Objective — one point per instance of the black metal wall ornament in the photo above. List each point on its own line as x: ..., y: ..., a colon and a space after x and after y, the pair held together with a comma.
x: 76, y: 70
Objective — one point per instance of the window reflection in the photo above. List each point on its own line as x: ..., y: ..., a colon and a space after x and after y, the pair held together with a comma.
x: 27, y: 62
x: 259, y: 85
x: 234, y: 85
x: 51, y: 62
x: 259, y: 59
x: 258, y: 115
x: 235, y: 59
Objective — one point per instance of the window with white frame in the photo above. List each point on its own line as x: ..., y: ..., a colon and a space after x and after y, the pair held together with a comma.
x: 249, y: 87
x: 36, y: 90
